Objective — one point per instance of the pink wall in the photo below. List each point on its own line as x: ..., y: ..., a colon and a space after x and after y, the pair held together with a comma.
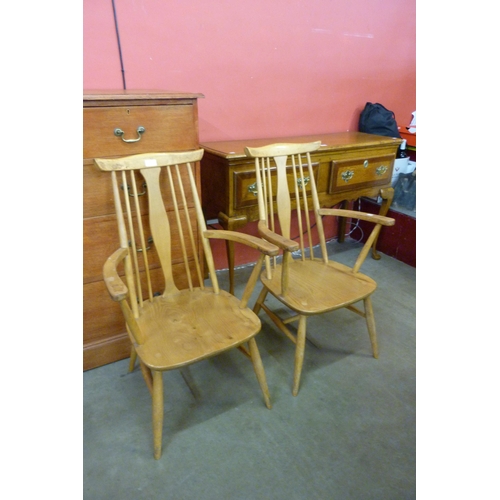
x: 267, y: 68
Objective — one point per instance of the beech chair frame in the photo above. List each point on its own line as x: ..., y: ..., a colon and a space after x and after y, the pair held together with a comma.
x: 306, y: 284
x: 172, y: 317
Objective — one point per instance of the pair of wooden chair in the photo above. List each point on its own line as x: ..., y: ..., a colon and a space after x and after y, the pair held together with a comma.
x: 157, y: 275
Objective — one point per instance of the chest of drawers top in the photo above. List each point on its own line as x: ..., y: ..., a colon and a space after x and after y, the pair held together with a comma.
x: 92, y: 98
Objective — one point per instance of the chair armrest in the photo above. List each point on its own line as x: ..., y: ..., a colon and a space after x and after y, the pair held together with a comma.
x: 116, y: 287
x: 277, y: 239
x: 252, y: 241
x: 376, y: 219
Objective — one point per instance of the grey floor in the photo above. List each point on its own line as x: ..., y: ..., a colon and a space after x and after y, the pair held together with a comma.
x: 349, y: 434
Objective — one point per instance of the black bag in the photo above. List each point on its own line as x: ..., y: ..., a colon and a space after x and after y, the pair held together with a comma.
x: 377, y: 119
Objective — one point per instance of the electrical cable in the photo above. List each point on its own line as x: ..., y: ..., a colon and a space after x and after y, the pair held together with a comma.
x: 353, y: 228
x: 356, y: 225
x: 119, y: 45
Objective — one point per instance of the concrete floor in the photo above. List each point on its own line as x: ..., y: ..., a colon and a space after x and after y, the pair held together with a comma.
x: 349, y: 434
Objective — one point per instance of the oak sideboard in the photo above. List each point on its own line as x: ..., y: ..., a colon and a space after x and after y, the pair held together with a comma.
x: 348, y: 165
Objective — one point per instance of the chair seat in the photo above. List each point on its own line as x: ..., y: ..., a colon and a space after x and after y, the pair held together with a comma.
x: 315, y: 287
x: 192, y: 325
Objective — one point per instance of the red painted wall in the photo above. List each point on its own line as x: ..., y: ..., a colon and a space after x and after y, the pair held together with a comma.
x: 267, y: 68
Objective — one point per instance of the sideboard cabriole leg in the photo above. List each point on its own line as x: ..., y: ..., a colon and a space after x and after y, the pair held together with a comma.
x: 342, y: 224
x: 387, y: 194
x: 231, y: 224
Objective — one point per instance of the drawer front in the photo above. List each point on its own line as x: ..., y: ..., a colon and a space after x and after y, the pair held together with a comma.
x: 98, y: 191
x: 166, y: 128
x: 103, y: 318
x: 245, y: 185
x: 360, y: 173
x: 100, y: 240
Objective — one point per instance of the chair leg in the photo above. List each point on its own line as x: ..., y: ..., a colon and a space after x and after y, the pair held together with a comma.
x: 259, y: 370
x: 133, y: 358
x: 370, y: 322
x: 146, y: 373
x: 157, y: 412
x: 262, y: 296
x: 299, y: 354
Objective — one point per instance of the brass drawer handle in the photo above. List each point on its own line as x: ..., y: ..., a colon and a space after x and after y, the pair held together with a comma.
x: 150, y: 241
x: 144, y: 186
x: 381, y: 170
x: 305, y: 180
x: 347, y: 175
x: 253, y: 187
x: 140, y: 130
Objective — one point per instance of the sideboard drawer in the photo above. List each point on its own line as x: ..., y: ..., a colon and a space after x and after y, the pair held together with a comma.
x: 166, y: 128
x: 245, y: 185
x: 360, y: 172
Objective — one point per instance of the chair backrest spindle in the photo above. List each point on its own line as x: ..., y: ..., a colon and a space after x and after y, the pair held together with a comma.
x: 132, y: 242
x: 142, y: 241
x: 202, y: 227
x: 179, y: 225
x: 188, y: 221
x: 122, y: 232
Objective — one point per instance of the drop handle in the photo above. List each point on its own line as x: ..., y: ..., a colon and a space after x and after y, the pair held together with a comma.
x: 144, y: 187
x: 347, y: 175
x: 138, y: 249
x: 120, y: 133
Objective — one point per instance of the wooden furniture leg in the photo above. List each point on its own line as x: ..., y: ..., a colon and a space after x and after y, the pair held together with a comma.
x: 259, y: 370
x: 148, y: 378
x: 341, y: 225
x: 133, y: 358
x: 299, y: 353
x: 260, y: 300
x: 157, y: 412
x: 231, y: 224
x: 387, y: 195
x: 370, y: 323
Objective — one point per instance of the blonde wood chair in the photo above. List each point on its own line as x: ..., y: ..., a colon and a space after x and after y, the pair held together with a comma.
x: 157, y: 275
x: 307, y: 284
